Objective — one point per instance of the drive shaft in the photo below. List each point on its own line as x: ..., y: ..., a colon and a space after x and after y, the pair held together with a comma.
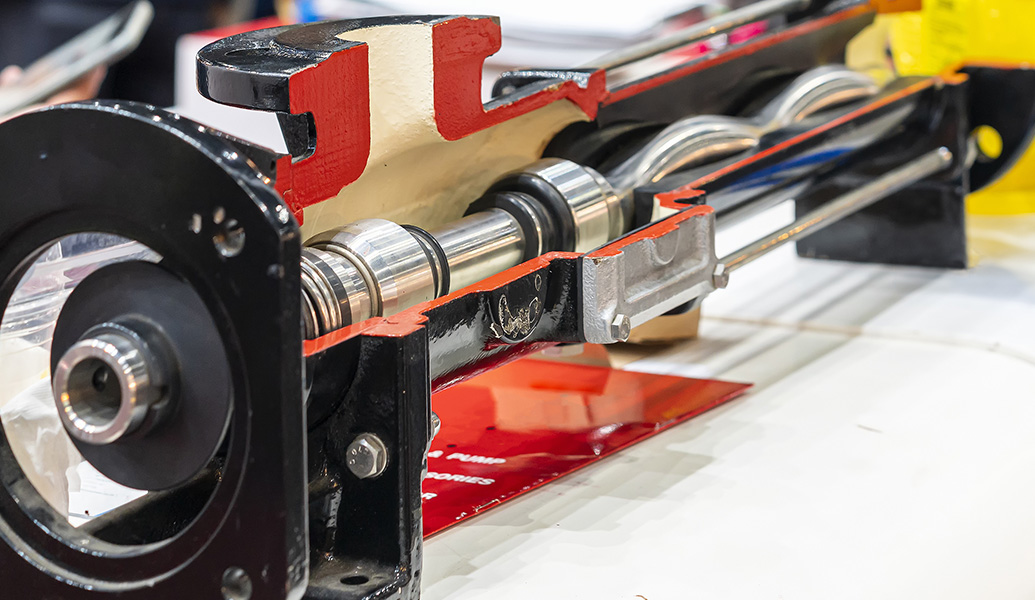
x: 375, y: 267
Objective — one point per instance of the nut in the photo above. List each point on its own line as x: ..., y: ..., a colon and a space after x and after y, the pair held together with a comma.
x: 367, y: 456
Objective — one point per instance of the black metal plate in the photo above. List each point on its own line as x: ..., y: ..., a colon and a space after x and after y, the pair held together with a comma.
x: 143, y: 173
x: 174, y: 452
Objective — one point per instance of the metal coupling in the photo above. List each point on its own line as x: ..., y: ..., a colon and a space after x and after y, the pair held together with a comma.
x: 109, y: 384
x: 585, y: 208
x: 366, y: 269
x: 334, y: 292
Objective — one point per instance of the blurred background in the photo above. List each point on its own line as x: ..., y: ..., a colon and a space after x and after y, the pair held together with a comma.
x: 31, y: 28
x: 538, y: 33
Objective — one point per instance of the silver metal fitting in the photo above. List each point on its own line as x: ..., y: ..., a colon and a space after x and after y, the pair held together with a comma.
x: 335, y: 293
x: 367, y: 456
x: 720, y: 277
x: 395, y: 271
x: 648, y: 278
x: 621, y: 327
x: 106, y: 384
x: 594, y: 206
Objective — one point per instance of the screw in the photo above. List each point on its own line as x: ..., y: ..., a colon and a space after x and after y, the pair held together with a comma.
x: 236, y: 584
x: 720, y: 277
x: 621, y: 327
x: 367, y: 456
x: 283, y: 215
x: 436, y: 425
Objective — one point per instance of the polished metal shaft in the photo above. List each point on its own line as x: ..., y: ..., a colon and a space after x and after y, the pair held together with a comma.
x: 841, y: 207
x: 109, y: 384
x: 376, y: 268
x: 480, y: 245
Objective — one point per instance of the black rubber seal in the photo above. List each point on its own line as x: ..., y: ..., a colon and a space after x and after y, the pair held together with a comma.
x: 436, y: 258
x: 551, y: 200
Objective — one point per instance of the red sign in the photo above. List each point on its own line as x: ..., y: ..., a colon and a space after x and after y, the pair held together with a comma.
x: 523, y: 425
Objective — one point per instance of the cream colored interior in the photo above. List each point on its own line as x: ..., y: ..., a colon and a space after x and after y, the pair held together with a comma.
x: 414, y: 176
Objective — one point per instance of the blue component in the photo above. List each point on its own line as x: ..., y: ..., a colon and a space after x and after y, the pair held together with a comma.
x: 306, y: 11
x: 778, y: 173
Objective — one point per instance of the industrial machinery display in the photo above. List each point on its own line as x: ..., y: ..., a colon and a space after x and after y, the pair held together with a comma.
x: 253, y: 338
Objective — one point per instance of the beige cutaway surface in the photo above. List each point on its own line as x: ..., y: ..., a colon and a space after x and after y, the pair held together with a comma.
x: 413, y: 175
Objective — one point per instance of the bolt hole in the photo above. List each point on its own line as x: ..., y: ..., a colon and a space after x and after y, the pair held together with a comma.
x: 989, y: 143
x: 450, y: 445
x: 355, y: 579
x: 229, y: 238
x: 490, y: 428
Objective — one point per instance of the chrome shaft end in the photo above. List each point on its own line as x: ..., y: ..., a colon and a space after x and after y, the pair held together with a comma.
x: 106, y: 384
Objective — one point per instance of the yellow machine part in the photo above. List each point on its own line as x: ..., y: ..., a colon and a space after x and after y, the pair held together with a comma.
x: 944, y: 33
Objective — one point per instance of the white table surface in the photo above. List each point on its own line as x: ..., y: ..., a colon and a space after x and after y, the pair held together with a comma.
x: 886, y: 451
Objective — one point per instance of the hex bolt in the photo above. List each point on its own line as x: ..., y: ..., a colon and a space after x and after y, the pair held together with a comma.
x: 621, y: 327
x: 720, y: 277
x: 367, y: 456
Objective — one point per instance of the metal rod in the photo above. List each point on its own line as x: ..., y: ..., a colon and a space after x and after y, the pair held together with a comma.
x: 720, y: 24
x: 726, y: 217
x: 480, y: 245
x: 841, y: 207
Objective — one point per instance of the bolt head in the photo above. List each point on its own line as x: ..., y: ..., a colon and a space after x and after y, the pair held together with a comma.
x: 621, y: 327
x: 720, y: 277
x: 367, y: 456
x: 436, y: 424
x: 236, y: 584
